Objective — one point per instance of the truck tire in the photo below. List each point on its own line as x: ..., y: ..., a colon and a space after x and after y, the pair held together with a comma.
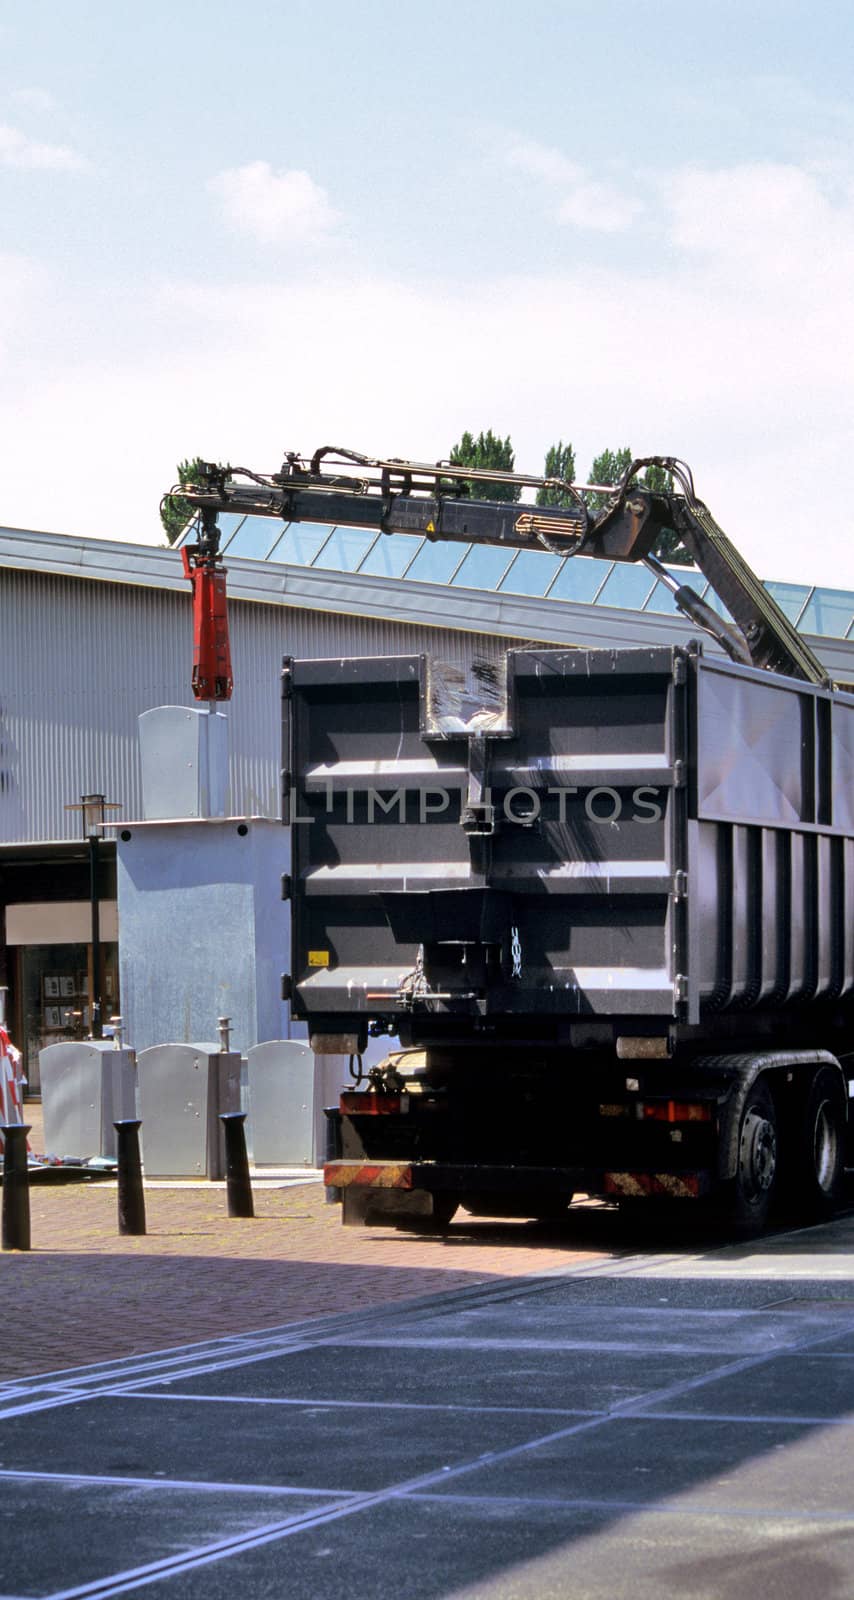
x: 821, y: 1164
x: 747, y: 1199
x: 445, y: 1208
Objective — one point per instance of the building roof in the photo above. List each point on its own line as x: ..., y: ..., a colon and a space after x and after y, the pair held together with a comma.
x: 483, y: 589
x: 82, y: 660
x: 535, y: 574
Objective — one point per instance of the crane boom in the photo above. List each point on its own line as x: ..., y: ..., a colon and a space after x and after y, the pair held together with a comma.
x: 341, y: 486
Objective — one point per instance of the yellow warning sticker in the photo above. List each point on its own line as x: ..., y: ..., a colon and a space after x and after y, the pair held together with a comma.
x: 318, y: 958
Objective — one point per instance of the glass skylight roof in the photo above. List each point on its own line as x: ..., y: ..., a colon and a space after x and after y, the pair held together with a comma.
x: 389, y: 556
x: 531, y: 572
x: 627, y: 585
x: 483, y: 566
x: 827, y: 611
x: 344, y: 549
x: 580, y: 579
x: 435, y: 562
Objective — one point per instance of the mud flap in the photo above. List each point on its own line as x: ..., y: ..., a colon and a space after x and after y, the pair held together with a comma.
x: 364, y: 1207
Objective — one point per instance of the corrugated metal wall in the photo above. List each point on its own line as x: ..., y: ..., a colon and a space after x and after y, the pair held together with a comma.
x: 79, y: 661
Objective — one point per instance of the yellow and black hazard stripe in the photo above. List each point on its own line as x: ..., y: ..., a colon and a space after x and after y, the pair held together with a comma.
x: 367, y: 1175
x: 638, y: 1185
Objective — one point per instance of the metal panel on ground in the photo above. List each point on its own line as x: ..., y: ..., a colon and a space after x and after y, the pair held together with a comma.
x: 281, y: 1081
x: 182, y: 1090
x: 86, y: 1086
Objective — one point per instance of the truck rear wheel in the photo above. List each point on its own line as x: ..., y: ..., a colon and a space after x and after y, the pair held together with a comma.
x: 747, y: 1198
x: 445, y: 1208
x: 822, y: 1154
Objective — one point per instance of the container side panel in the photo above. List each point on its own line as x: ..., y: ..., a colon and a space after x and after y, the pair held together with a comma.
x: 826, y: 917
x: 755, y: 750
x: 771, y: 902
x: 800, y: 945
x: 519, y: 863
x: 768, y: 919
x: 842, y: 759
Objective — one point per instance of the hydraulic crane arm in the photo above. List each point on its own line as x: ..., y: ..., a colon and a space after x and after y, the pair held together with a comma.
x: 394, y: 496
x: 628, y: 530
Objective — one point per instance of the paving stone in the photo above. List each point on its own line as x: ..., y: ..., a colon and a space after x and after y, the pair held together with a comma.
x: 77, y: 1533
x: 527, y: 1378
x: 650, y: 1331
x: 804, y: 1385
x: 634, y: 1461
x: 317, y: 1447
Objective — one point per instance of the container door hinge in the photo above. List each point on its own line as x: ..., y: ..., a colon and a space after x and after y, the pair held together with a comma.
x: 680, y: 989
x: 680, y: 885
x: 287, y: 679
x: 680, y: 669
x: 679, y: 774
x: 287, y: 885
x: 287, y: 986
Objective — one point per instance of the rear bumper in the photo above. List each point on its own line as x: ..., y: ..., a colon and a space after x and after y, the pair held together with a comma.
x: 444, y: 1178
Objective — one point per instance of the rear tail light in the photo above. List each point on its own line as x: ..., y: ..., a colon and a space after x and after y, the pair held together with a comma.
x: 677, y: 1111
x: 361, y: 1103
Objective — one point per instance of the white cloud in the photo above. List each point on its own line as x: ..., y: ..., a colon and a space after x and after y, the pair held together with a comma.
x: 543, y: 161
x: 764, y: 220
x: 734, y: 352
x: 599, y: 206
x: 274, y: 207
x: 582, y: 201
x: 17, y: 149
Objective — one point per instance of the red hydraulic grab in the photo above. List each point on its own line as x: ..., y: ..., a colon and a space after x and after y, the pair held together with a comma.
x: 212, y: 677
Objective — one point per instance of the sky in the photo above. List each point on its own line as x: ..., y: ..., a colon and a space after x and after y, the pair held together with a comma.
x: 234, y: 230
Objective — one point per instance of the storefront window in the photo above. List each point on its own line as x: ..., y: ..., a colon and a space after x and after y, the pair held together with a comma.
x: 54, y: 982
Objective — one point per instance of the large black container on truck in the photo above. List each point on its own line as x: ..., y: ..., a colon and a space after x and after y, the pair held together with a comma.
x: 614, y: 920
x: 604, y: 898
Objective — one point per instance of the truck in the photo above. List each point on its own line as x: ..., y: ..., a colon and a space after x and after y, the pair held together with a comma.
x: 601, y: 900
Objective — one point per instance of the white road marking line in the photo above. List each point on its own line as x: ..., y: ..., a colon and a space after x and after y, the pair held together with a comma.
x: 789, y: 1419
x: 200, y: 1485
x: 593, y: 1346
x: 331, y: 1404
x: 662, y: 1508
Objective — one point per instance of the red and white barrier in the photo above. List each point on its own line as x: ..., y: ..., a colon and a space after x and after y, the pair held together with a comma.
x: 11, y: 1083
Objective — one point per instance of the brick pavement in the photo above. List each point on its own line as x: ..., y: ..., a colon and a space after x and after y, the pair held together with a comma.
x: 85, y: 1294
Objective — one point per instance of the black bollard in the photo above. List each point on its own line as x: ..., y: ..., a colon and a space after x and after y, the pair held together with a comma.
x: 237, y: 1183
x: 131, y: 1197
x: 16, y: 1186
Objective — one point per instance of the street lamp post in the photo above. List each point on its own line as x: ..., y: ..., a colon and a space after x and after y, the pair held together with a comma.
x: 92, y: 808
x: 93, y: 821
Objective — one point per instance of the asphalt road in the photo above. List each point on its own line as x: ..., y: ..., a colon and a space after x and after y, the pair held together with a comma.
x: 670, y: 1423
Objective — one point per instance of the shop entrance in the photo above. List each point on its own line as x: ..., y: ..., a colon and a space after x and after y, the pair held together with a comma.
x: 52, y: 976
